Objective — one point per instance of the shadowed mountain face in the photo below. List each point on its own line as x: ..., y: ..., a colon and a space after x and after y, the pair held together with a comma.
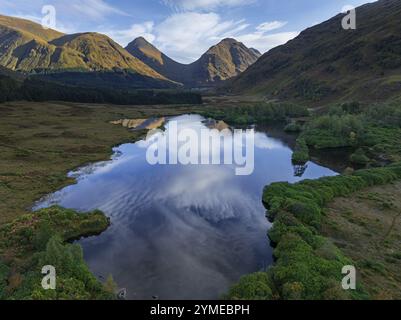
x: 221, y: 62
x: 146, y: 52
x: 326, y: 62
x: 27, y: 47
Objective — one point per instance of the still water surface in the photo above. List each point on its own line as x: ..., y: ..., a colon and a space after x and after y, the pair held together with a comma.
x: 179, y: 232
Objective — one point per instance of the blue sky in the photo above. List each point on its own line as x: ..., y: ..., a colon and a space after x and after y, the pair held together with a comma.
x: 184, y: 29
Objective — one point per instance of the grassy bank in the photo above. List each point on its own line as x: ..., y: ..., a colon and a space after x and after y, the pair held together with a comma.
x: 367, y: 228
x: 373, y: 131
x: 308, y: 265
x: 41, y: 142
x: 39, y: 239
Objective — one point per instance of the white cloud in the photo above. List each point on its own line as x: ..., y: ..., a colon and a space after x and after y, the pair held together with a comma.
x: 136, y: 30
x: 38, y: 19
x: 92, y: 10
x: 71, y: 15
x: 185, y: 36
x: 204, y: 4
x: 269, y: 26
x: 264, y: 42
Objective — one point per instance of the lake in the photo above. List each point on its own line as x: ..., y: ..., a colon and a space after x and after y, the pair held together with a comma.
x: 180, y: 231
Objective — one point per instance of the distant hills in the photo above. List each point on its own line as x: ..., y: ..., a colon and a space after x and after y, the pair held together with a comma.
x: 95, y: 60
x: 327, y: 63
x: 27, y: 47
x: 223, y: 61
x: 324, y: 64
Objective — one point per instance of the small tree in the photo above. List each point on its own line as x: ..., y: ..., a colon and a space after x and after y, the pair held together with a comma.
x: 110, y: 286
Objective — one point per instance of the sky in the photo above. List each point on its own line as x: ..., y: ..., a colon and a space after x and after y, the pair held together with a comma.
x: 185, y: 29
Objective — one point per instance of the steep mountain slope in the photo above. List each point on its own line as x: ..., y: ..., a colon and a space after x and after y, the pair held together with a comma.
x: 221, y: 62
x: 326, y: 63
x: 27, y: 47
x: 26, y: 26
x: 98, y: 52
x: 153, y: 57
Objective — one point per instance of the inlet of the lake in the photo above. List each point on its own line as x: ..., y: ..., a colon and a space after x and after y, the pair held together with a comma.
x: 180, y: 231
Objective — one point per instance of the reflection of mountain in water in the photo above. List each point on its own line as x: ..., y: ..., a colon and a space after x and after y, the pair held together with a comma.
x: 299, y: 170
x: 214, y: 124
x: 140, y: 124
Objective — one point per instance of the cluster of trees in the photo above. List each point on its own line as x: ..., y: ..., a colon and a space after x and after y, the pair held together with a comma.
x: 258, y: 113
x: 308, y: 266
x: 372, y: 131
x: 8, y: 89
x: 42, y: 239
x: 33, y: 89
x: 388, y: 115
x: 331, y: 131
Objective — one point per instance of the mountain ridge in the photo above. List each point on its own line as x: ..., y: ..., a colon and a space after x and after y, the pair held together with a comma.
x: 327, y: 63
x: 28, y: 48
x: 222, y: 61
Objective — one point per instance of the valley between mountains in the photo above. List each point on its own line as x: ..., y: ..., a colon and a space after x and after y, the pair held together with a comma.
x: 77, y: 193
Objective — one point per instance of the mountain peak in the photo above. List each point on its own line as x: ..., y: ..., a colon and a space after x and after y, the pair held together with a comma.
x: 140, y: 41
x: 143, y: 50
x: 256, y: 51
x: 229, y: 41
x: 234, y: 46
x: 26, y: 46
x: 224, y: 60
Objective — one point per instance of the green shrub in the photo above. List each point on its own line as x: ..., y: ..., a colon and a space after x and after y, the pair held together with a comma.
x: 359, y: 157
x: 255, y: 286
x: 257, y: 113
x: 308, y: 266
x: 40, y: 238
x: 293, y: 127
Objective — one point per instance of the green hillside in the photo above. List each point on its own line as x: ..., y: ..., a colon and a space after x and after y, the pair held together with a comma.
x: 327, y: 63
x: 26, y: 47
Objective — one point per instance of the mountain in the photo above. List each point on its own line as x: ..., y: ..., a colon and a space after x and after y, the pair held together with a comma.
x: 93, y: 59
x: 326, y: 63
x: 27, y: 47
x: 221, y: 62
x: 153, y: 57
